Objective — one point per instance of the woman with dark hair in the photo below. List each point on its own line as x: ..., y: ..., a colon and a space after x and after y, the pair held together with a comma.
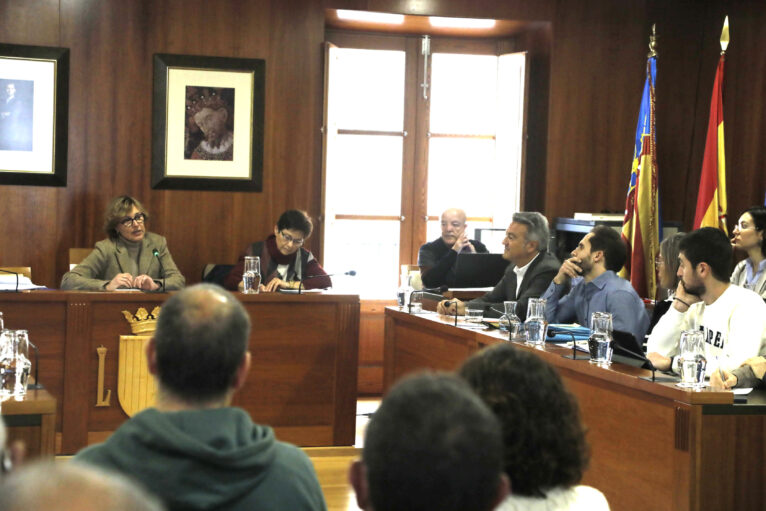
x: 284, y: 261
x: 667, y: 269
x: 748, y: 236
x: 131, y: 257
x: 545, y: 448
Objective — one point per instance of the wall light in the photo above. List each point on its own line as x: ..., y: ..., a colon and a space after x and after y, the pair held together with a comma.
x: 371, y: 17
x: 461, y: 22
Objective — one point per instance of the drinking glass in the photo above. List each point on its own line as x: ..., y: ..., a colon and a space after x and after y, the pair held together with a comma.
x: 251, y: 277
x: 474, y: 315
x: 600, y: 339
x: 404, y: 291
x: 8, y: 348
x: 23, y: 363
x: 2, y: 325
x: 535, y: 326
x: 692, y: 361
x: 416, y: 302
x: 510, y: 321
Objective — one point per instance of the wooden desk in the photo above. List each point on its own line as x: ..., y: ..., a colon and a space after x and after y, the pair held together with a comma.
x: 302, y: 382
x: 653, y: 445
x: 32, y: 420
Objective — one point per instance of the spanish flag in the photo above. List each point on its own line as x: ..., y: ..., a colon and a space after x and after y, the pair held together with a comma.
x: 711, y: 200
x: 641, y: 226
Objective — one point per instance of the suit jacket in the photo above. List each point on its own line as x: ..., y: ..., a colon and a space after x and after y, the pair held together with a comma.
x: 110, y: 257
x: 536, y: 280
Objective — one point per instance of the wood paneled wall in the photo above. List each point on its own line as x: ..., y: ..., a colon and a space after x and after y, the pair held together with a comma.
x: 596, y: 75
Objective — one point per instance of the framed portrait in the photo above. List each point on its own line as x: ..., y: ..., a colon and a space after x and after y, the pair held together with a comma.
x: 34, y: 115
x: 207, y: 126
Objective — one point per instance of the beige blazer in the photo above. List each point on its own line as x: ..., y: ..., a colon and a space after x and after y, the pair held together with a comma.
x: 110, y: 257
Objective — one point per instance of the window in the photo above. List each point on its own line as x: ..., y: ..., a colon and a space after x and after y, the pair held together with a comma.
x: 394, y: 160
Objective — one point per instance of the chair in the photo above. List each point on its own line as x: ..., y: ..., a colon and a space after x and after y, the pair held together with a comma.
x: 76, y: 256
x: 21, y: 270
x: 216, y: 273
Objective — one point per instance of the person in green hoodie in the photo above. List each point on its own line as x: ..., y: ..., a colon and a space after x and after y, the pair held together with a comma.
x: 193, y: 449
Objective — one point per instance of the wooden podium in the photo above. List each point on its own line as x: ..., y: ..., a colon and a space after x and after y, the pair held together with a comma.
x: 302, y: 382
x: 653, y: 445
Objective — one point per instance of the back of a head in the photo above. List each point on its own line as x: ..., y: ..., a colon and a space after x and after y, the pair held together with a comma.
x: 669, y: 249
x: 295, y: 219
x: 201, y: 339
x: 433, y: 444
x: 711, y: 246
x: 71, y: 487
x: 543, y: 437
x: 607, y: 239
x: 537, y: 227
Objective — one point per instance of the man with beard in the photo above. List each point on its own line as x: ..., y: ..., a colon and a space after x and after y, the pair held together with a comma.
x: 595, y: 287
x: 732, y: 318
x: 210, y: 115
x: 437, y: 258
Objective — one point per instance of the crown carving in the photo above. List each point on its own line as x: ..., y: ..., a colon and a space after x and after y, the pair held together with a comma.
x: 142, y: 323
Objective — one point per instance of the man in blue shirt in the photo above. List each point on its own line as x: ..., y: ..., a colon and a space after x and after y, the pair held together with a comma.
x: 587, y: 283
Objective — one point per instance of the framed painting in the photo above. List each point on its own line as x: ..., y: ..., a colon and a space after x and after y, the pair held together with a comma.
x: 34, y: 115
x: 207, y: 126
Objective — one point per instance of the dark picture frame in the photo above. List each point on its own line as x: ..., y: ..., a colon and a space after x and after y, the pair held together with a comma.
x: 184, y: 86
x: 34, y: 115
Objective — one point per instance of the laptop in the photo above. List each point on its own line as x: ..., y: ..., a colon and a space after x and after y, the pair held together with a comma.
x: 479, y: 270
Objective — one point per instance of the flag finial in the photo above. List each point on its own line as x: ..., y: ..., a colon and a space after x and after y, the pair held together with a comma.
x: 725, y: 36
x: 653, y: 42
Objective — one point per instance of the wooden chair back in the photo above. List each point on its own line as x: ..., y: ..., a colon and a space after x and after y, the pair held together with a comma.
x: 21, y: 270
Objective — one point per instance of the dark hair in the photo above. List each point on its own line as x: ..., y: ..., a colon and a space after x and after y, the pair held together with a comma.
x: 709, y: 245
x: 296, y: 219
x: 433, y: 444
x: 759, y: 219
x: 669, y: 252
x: 537, y: 227
x: 607, y: 239
x: 201, y: 338
x: 544, y: 440
x: 117, y: 209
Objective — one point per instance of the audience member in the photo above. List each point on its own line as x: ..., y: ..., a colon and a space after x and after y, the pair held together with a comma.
x: 732, y: 318
x: 130, y: 257
x: 285, y: 264
x: 667, y: 269
x: 437, y: 258
x: 531, y: 270
x: 46, y: 486
x: 748, y: 236
x: 545, y: 451
x: 595, y: 287
x: 432, y: 444
x: 193, y: 450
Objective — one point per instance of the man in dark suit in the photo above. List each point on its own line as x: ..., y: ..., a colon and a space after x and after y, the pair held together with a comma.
x: 531, y: 270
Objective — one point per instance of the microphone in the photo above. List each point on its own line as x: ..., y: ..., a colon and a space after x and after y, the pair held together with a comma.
x: 504, y: 315
x: 574, y: 355
x: 36, y: 385
x: 156, y: 253
x: 350, y: 273
x: 17, y: 278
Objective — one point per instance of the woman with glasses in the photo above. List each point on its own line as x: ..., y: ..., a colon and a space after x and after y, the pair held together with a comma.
x: 284, y: 261
x: 748, y: 237
x: 130, y: 258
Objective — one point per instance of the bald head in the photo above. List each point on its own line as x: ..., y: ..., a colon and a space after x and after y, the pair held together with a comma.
x: 200, y: 343
x: 453, y: 225
x: 71, y: 487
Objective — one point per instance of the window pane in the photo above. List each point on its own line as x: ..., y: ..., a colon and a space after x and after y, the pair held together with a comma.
x: 364, y: 175
x: 369, y: 247
x: 368, y: 89
x: 463, y: 93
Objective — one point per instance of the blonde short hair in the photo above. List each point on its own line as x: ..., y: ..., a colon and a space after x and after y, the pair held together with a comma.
x: 117, y: 209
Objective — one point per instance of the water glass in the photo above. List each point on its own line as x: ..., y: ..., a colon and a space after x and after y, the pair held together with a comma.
x: 474, y: 315
x: 535, y: 330
x: 692, y: 361
x: 2, y: 324
x: 601, y: 322
x: 8, y: 348
x: 536, y: 308
x: 416, y: 302
x: 405, y: 290
x: 23, y: 362
x: 510, y: 321
x: 251, y: 277
x: 600, y: 339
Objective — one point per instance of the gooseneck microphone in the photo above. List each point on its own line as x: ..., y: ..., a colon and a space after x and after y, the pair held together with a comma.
x: 350, y: 273
x: 36, y: 385
x: 17, y: 278
x: 504, y: 315
x: 156, y: 253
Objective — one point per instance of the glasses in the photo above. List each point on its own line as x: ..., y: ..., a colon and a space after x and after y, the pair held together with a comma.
x: 290, y: 239
x: 139, y: 219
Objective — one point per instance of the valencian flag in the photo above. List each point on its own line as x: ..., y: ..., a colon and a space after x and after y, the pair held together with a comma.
x: 641, y: 226
x: 711, y: 199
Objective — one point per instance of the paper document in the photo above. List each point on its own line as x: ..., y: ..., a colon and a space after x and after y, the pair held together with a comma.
x: 8, y: 283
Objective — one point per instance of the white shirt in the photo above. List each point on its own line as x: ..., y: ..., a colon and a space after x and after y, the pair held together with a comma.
x: 576, y: 498
x: 734, y: 327
x: 520, y: 272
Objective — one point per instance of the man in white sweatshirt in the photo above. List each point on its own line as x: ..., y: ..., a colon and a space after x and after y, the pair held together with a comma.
x: 732, y: 318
